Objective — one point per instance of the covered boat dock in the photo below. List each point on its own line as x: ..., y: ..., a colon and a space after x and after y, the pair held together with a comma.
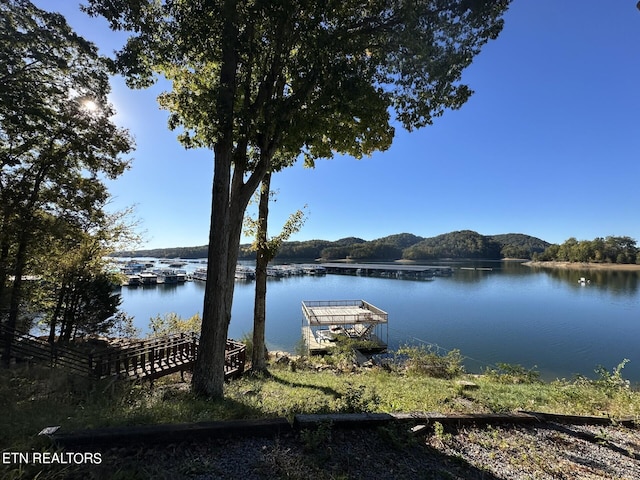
x: 326, y: 322
x: 424, y: 272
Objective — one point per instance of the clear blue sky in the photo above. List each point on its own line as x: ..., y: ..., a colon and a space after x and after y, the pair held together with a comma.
x: 549, y: 144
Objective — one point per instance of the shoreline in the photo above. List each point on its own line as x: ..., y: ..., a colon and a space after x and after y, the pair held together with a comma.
x: 584, y: 266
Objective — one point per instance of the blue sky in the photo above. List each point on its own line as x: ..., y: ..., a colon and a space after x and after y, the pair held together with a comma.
x: 549, y: 144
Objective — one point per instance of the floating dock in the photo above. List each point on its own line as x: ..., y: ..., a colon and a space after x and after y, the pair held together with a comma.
x: 423, y: 272
x: 326, y: 322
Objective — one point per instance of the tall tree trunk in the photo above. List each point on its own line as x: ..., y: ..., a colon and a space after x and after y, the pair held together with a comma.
x: 4, y: 269
x: 208, y: 374
x: 263, y: 256
x: 56, y: 313
x: 16, y: 295
x: 230, y: 197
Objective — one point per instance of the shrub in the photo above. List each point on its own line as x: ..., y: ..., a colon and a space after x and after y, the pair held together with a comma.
x: 359, y: 400
x: 513, y: 373
x: 423, y: 360
x: 173, y: 323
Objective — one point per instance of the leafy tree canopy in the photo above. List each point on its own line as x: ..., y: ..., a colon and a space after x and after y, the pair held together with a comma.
x: 461, y: 244
x: 57, y: 144
x: 611, y: 249
x: 262, y: 81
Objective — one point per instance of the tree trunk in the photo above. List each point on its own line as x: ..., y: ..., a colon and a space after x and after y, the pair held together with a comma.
x: 208, y: 374
x: 4, y: 260
x: 16, y: 296
x: 230, y: 197
x: 263, y: 256
x: 56, y: 313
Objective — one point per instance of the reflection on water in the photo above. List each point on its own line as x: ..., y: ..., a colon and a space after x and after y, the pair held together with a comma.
x: 510, y: 313
x: 616, y: 282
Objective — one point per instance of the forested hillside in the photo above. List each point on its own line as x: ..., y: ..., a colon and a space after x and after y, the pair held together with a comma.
x: 599, y: 250
x: 461, y: 244
x: 175, y: 252
x: 517, y: 245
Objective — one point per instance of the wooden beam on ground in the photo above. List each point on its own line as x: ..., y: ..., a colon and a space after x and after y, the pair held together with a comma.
x: 172, y: 433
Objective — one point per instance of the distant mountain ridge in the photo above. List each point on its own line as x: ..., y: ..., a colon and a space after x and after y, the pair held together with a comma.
x: 460, y: 244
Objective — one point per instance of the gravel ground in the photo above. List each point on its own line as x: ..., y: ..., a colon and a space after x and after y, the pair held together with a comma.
x: 548, y: 451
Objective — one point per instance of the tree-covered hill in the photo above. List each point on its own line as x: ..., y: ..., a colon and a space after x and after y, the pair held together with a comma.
x: 174, y: 252
x: 518, y: 245
x: 460, y: 244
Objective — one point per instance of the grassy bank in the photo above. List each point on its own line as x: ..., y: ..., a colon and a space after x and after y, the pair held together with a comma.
x: 37, y: 398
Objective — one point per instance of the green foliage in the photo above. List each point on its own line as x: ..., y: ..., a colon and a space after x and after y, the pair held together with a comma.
x: 123, y: 326
x: 360, y: 399
x: 262, y: 83
x: 609, y: 382
x: 176, y: 252
x: 402, y: 245
x: 599, y: 250
x: 461, y: 244
x: 512, y: 373
x: 172, y: 323
x: 517, y: 245
x: 26, y: 396
x: 421, y: 360
x: 58, y: 145
x: 317, y: 439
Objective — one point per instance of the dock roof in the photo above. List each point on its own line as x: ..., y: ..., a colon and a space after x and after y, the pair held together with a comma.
x: 342, y: 312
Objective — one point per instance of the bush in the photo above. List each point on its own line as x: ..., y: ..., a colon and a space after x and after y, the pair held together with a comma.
x: 423, y: 360
x: 608, y: 382
x: 173, y: 323
x: 513, y: 373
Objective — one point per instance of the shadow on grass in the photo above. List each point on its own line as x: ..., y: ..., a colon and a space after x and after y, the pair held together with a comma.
x: 269, y: 376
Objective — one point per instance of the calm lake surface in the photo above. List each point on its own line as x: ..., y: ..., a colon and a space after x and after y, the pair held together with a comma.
x: 513, y: 313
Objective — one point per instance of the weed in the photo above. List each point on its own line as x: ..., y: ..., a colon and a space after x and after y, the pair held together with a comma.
x: 359, y: 399
x: 397, y: 436
x: 513, y: 373
x: 613, y: 381
x: 440, y: 433
x: 315, y: 440
x: 423, y: 360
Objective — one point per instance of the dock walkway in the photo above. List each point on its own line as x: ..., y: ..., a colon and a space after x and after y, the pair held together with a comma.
x: 388, y: 270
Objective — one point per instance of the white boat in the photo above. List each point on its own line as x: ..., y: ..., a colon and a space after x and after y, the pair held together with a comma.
x: 148, y: 278
x: 166, y: 275
x: 245, y: 273
x: 132, y: 280
x: 199, y: 274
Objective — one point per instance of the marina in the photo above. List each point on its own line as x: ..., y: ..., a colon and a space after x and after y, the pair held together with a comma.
x: 143, y: 273
x: 424, y: 272
x: 543, y: 319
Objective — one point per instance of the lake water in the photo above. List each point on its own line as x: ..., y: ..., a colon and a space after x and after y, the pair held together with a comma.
x: 513, y: 314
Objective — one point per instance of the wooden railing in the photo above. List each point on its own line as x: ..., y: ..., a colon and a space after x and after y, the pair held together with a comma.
x: 146, y: 359
x: 150, y: 359
x: 234, y: 360
x: 27, y: 347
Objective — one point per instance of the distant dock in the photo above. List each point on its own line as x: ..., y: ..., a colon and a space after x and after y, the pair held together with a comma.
x: 423, y: 272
